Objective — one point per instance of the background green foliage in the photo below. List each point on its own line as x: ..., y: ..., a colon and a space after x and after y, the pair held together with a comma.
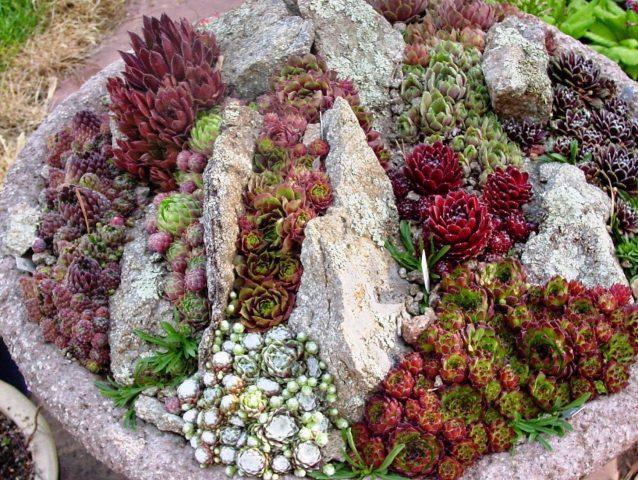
x: 603, y: 24
x: 18, y: 20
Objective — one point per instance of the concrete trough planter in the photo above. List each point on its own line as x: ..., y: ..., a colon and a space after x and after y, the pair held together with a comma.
x: 604, y: 429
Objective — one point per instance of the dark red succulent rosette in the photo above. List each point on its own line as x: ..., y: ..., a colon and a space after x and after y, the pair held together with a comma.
x: 433, y: 169
x: 171, y: 74
x: 507, y: 190
x: 462, y: 222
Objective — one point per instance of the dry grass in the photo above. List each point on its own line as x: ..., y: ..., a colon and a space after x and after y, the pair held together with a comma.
x: 70, y: 29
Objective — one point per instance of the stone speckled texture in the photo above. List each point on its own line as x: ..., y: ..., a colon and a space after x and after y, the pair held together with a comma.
x: 572, y: 240
x: 358, y: 43
x: 351, y: 295
x: 225, y: 180
x: 136, y: 304
x: 151, y: 410
x: 256, y: 40
x: 21, y: 229
x: 515, y: 68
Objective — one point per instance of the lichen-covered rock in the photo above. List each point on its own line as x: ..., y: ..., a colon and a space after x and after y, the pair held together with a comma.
x: 358, y: 44
x: 21, y: 229
x: 256, y: 40
x: 573, y: 240
x: 151, y: 410
x: 351, y: 295
x: 515, y: 68
x: 225, y: 180
x: 136, y: 304
x: 361, y: 187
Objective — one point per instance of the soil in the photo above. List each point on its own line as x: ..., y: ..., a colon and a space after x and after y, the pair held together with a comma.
x: 16, y: 462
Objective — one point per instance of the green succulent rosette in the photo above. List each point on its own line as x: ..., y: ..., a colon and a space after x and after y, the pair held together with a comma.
x: 262, y: 306
x: 205, y: 131
x: 176, y: 212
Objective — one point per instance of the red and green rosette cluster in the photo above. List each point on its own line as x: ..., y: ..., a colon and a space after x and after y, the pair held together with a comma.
x: 501, y: 351
x: 171, y: 75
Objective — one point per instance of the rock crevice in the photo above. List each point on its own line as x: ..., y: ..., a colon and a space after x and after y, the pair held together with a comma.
x: 136, y: 304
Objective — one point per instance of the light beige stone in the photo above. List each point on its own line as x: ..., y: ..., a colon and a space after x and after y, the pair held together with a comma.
x: 225, y: 180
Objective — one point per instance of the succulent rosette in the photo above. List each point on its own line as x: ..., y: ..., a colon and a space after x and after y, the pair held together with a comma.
x: 177, y: 212
x: 205, y: 131
x: 400, y: 10
x: 460, y: 221
x: 265, y: 305
x: 421, y: 453
x: 507, y: 190
x: 433, y: 169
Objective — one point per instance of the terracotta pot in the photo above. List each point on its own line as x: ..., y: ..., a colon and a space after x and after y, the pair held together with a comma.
x: 23, y: 413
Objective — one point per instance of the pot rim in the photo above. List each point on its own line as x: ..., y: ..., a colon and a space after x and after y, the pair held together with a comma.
x: 24, y: 414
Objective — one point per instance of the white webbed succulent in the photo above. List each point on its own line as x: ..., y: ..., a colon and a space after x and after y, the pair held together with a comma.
x: 281, y: 359
x: 203, y: 455
x: 188, y: 391
x: 280, y: 428
x: 222, y: 361
x: 230, y: 436
x: 252, y: 341
x: 251, y: 461
x: 280, y: 464
x: 229, y: 403
x: 246, y: 366
x: 307, y: 455
x: 233, y: 383
x: 227, y: 454
x: 210, y: 418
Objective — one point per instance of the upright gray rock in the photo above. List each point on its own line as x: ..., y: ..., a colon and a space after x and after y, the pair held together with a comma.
x: 351, y: 294
x: 358, y: 43
x: 256, y: 40
x: 515, y: 68
x: 136, y: 304
x: 573, y: 240
x: 225, y: 180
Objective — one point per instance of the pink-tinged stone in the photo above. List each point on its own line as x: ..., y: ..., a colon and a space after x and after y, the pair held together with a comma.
x: 412, y: 327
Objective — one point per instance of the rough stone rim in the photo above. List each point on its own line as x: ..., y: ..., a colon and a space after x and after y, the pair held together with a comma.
x: 147, y: 453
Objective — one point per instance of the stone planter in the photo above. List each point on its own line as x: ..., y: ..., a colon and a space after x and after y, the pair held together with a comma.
x: 27, y: 417
x: 603, y: 430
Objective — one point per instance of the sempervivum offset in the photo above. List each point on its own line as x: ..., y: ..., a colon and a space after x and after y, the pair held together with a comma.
x: 462, y: 13
x: 80, y: 241
x: 262, y: 406
x: 524, y: 350
x: 582, y: 76
x: 305, y: 87
x: 614, y: 167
